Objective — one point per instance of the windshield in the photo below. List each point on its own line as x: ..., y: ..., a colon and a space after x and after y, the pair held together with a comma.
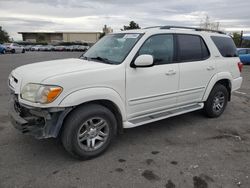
x: 112, y: 48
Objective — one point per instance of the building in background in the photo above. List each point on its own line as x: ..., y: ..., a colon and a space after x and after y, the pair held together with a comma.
x: 54, y: 37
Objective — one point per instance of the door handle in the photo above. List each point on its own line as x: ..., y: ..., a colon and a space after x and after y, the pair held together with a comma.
x: 209, y: 68
x: 171, y: 72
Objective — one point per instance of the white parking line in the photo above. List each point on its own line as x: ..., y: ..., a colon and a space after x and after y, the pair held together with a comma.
x: 242, y: 93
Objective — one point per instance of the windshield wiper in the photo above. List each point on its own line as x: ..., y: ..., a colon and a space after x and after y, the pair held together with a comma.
x: 98, y: 58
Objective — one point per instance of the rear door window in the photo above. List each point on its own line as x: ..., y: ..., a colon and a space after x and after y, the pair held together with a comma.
x: 191, y: 48
x: 225, y: 45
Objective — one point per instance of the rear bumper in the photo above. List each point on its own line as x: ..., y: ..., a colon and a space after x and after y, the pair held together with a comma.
x: 40, y: 123
x: 236, y: 83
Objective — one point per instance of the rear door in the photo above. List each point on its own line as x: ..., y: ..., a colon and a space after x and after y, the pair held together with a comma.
x: 196, y: 68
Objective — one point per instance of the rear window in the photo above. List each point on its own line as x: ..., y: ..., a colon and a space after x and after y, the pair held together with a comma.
x: 192, y: 48
x: 225, y: 45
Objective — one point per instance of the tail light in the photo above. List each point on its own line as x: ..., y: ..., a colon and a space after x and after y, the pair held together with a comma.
x: 240, y: 66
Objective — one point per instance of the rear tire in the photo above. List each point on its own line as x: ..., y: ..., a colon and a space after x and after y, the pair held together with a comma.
x: 216, y: 102
x: 88, y: 131
x: 23, y: 51
x: 13, y: 51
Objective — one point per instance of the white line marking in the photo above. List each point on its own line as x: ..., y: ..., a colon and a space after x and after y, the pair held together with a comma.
x: 240, y: 92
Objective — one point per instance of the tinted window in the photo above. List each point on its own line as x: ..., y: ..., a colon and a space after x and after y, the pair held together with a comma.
x: 192, y: 48
x: 226, y: 46
x: 161, y: 47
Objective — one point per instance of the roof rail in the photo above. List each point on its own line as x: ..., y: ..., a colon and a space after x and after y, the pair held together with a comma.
x: 152, y: 27
x: 193, y: 28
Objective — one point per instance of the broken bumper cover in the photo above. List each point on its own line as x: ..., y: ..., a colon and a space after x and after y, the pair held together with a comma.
x: 40, y: 123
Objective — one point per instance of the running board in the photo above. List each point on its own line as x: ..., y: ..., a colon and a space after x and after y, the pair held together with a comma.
x: 161, y: 115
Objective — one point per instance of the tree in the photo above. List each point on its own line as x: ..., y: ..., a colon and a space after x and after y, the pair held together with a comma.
x: 132, y: 25
x: 41, y: 37
x: 206, y: 23
x: 4, y: 37
x: 237, y: 39
x: 240, y: 41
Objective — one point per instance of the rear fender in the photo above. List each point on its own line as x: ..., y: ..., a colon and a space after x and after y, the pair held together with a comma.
x: 217, y: 77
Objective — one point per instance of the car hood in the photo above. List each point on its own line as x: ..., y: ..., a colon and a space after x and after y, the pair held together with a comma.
x: 38, y: 72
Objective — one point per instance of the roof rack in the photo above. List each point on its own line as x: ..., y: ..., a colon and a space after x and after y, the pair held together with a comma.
x: 193, y: 28
x: 152, y: 27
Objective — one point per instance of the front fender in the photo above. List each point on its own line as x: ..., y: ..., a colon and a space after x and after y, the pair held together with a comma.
x: 214, y: 80
x: 91, y: 94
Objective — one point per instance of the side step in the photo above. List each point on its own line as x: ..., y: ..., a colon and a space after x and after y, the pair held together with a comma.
x: 134, y: 122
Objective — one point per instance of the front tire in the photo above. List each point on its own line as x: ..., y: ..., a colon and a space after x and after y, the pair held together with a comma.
x: 88, y: 131
x: 217, y: 101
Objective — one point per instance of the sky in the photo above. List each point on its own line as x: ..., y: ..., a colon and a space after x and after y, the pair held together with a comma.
x: 91, y: 15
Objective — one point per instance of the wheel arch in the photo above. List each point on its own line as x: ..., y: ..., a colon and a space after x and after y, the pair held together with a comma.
x: 106, y: 103
x: 224, y: 78
x: 103, y: 96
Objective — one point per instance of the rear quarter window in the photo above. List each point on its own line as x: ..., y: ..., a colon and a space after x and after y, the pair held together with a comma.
x: 191, y: 48
x: 225, y: 45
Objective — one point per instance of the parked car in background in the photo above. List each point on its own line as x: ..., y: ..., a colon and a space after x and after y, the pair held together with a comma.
x: 82, y: 48
x: 2, y: 49
x: 244, y: 54
x: 60, y: 48
x: 41, y: 48
x: 27, y: 47
x: 48, y: 48
x: 75, y: 47
x: 69, y: 48
x: 14, y: 48
x: 36, y: 48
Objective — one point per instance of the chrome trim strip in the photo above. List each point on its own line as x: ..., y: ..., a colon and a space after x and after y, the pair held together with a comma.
x: 165, y: 94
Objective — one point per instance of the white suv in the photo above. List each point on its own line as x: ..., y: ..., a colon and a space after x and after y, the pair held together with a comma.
x: 125, y: 80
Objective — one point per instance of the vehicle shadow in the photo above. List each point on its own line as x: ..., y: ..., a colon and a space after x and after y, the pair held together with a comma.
x: 52, y: 149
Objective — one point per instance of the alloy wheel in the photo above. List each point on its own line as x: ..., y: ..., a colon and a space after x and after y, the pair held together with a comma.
x: 218, y: 102
x: 93, y: 134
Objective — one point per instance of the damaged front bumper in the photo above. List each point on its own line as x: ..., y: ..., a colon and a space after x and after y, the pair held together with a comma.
x: 38, y: 122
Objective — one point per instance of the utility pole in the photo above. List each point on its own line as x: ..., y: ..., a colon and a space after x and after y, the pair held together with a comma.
x: 241, y: 38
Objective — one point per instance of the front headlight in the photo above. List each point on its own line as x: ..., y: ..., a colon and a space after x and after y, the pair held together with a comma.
x: 40, y: 93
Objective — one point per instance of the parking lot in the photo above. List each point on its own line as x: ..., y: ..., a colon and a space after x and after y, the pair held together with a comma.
x: 185, y: 151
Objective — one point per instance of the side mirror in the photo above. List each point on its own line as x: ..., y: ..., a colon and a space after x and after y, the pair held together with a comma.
x: 144, y: 61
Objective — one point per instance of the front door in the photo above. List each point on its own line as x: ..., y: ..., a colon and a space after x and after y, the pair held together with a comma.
x: 150, y: 89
